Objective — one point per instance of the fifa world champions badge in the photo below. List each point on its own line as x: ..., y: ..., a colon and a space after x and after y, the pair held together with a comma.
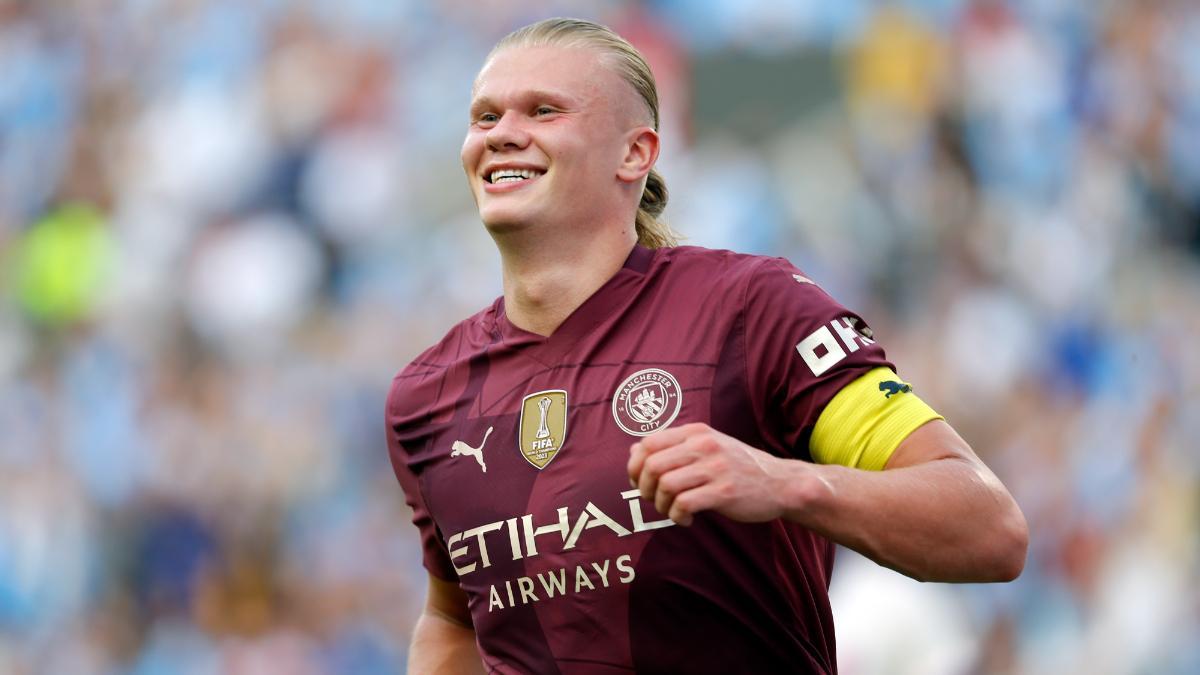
x: 647, y: 401
x: 543, y: 428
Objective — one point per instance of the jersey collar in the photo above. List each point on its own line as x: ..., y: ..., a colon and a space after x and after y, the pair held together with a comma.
x: 597, y: 308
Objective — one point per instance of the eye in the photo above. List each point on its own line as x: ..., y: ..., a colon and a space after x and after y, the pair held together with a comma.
x: 487, y: 118
x: 544, y: 110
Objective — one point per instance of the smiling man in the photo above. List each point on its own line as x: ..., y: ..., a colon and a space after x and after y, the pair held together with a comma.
x: 641, y: 456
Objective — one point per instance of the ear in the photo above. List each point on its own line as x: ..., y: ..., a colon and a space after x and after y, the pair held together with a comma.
x: 641, y: 152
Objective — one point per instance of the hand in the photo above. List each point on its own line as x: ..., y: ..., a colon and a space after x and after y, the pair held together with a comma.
x: 693, y: 468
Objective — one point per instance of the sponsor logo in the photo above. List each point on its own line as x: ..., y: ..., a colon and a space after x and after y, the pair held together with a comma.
x: 822, y: 351
x: 647, y: 401
x: 543, y: 428
x: 893, y: 387
x: 518, y: 536
x: 802, y: 279
x: 460, y: 448
x: 558, y: 582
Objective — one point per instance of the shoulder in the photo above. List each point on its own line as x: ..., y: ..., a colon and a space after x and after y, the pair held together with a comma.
x: 771, y: 293
x: 712, y: 259
x: 466, y: 337
x: 736, y: 275
x: 422, y: 377
x: 713, y: 269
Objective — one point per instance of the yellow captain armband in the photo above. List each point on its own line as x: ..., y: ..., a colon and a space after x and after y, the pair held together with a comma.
x: 865, y: 422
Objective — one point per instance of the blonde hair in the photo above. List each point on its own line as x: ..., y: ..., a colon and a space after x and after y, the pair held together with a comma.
x: 632, y: 67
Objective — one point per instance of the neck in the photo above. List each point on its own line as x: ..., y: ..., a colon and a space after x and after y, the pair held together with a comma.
x: 546, y: 277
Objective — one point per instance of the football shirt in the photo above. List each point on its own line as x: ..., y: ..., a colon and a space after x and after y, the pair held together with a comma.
x: 512, y: 449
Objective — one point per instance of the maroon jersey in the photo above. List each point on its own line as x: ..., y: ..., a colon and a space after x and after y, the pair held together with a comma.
x: 512, y: 447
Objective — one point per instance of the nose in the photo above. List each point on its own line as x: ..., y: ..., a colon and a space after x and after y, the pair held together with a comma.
x: 507, y: 134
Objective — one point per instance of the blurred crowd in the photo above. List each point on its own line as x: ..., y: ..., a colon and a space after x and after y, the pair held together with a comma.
x: 225, y: 225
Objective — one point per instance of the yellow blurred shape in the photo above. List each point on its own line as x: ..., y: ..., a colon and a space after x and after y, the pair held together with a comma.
x: 62, y: 263
x: 894, y: 73
x: 897, y: 62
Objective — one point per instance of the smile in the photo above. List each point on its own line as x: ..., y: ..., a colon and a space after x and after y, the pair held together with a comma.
x: 512, y: 175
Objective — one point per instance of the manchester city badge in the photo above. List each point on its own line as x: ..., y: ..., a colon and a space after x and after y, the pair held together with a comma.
x: 647, y: 401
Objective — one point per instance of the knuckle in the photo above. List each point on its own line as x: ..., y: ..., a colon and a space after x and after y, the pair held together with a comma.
x: 652, y: 467
x: 684, y: 504
x: 669, y: 485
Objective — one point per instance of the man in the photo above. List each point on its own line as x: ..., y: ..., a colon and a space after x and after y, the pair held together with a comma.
x: 641, y: 456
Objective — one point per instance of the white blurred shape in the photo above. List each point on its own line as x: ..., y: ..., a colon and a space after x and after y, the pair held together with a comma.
x: 201, y: 146
x: 142, y: 297
x: 1056, y: 264
x: 890, y: 624
x: 353, y: 185
x: 1013, y: 73
x: 252, y: 281
x: 1140, y: 600
x: 990, y: 341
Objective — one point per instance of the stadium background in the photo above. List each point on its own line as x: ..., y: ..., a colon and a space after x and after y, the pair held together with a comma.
x: 225, y: 224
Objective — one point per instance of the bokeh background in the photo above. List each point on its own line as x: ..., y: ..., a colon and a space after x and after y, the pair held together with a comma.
x: 225, y: 224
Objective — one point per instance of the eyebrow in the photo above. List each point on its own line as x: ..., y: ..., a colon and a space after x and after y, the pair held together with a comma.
x: 483, y: 102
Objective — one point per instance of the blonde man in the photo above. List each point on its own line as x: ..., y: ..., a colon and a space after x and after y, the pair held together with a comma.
x: 681, y: 435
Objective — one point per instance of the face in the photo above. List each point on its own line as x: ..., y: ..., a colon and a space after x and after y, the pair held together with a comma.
x: 548, y: 131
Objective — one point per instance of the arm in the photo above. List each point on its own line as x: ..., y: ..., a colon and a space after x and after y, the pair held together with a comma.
x: 936, y: 513
x: 443, y: 640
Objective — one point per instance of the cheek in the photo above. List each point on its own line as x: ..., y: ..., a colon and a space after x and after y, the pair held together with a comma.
x: 471, y: 150
x: 579, y: 159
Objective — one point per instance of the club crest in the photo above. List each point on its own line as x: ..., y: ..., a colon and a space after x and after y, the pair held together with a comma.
x: 647, y: 401
x: 543, y: 427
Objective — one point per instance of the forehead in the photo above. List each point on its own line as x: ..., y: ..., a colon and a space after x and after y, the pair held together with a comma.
x: 574, y: 72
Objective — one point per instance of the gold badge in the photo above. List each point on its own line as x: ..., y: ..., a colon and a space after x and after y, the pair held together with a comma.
x: 543, y: 428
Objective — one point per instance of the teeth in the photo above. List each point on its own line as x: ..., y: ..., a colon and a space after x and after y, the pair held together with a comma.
x: 510, y: 175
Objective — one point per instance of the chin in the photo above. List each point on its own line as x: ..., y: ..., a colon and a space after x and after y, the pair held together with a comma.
x: 505, y: 219
x: 500, y: 223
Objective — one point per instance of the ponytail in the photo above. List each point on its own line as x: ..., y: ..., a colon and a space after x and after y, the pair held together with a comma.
x: 652, y: 232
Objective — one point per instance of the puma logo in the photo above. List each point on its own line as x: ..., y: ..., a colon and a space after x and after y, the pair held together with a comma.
x: 892, y: 387
x: 460, y: 448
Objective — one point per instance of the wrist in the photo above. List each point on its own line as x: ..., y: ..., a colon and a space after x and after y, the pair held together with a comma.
x: 803, y: 489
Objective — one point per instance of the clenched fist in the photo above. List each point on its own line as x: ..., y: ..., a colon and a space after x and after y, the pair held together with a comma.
x: 693, y: 468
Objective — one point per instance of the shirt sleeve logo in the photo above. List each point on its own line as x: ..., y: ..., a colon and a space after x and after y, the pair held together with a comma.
x: 891, y: 387
x: 543, y: 428
x: 647, y: 401
x: 821, y: 351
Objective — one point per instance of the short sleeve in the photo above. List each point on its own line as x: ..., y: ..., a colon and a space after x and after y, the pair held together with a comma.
x: 436, y: 557
x: 802, y: 348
